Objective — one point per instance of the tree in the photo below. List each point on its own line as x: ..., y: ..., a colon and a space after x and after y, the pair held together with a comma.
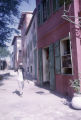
x: 8, y: 9
x: 4, y: 52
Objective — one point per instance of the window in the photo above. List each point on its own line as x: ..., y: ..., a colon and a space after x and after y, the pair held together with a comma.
x: 31, y: 69
x: 31, y: 45
x: 20, y: 51
x: 28, y: 69
x: 59, y: 3
x: 66, y: 62
x: 44, y: 10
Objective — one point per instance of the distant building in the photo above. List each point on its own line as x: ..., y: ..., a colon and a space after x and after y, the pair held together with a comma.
x: 28, y: 27
x: 31, y: 47
x: 23, y: 25
x: 17, y: 52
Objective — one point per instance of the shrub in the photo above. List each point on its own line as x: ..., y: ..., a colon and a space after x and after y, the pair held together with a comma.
x: 75, y: 84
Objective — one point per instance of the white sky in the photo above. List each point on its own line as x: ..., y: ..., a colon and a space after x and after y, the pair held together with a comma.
x: 27, y: 7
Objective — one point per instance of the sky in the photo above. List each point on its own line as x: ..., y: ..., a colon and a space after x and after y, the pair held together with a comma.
x: 27, y: 7
x: 24, y: 7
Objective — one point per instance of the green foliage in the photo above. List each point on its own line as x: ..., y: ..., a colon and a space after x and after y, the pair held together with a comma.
x: 75, y: 84
x: 4, y: 52
x: 61, y: 2
x: 8, y: 9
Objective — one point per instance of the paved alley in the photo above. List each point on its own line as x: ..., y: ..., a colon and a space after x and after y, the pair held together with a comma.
x: 35, y: 104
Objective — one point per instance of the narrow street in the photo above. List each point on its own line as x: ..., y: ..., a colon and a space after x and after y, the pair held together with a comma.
x: 35, y: 104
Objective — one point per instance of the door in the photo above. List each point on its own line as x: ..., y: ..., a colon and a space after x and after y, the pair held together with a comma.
x: 40, y: 66
x: 35, y: 63
x: 51, y: 67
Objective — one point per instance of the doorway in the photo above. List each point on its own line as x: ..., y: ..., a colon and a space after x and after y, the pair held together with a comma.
x: 48, y: 67
x: 46, y: 71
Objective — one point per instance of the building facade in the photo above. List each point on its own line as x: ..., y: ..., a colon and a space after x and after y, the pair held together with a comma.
x: 23, y: 25
x: 59, y: 45
x: 31, y: 47
x: 17, y: 53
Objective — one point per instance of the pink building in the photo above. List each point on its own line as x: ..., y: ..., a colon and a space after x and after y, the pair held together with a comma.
x: 59, y: 45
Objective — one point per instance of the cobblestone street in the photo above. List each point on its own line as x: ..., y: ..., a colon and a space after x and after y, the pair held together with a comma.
x: 35, y: 104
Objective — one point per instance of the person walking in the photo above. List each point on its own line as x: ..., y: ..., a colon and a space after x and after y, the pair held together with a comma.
x: 20, y: 79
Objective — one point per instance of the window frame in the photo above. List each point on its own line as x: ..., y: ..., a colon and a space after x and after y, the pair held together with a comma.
x: 66, y: 38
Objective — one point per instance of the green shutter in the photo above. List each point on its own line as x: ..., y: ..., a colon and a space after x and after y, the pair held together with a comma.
x: 51, y: 67
x: 41, y: 13
x: 35, y: 62
x: 48, y: 7
x: 57, y: 57
x: 57, y: 4
x: 40, y: 66
x: 54, y: 5
x: 38, y: 14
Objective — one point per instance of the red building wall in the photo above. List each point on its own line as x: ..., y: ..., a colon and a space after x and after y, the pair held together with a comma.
x: 55, y: 28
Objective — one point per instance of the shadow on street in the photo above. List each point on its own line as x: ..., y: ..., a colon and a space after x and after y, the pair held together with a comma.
x: 3, y: 77
x: 16, y: 92
x: 68, y: 99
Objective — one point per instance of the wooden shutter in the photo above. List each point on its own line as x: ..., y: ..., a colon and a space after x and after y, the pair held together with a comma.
x: 57, y: 57
x: 41, y: 13
x: 38, y: 14
x: 51, y: 67
x: 48, y: 7
x: 54, y: 5
x: 35, y: 62
x: 40, y: 66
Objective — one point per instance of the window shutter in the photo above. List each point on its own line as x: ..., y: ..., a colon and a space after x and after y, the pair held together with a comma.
x: 48, y: 7
x: 57, y: 57
x: 54, y: 5
x: 38, y: 13
x: 41, y: 13
x: 51, y: 67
